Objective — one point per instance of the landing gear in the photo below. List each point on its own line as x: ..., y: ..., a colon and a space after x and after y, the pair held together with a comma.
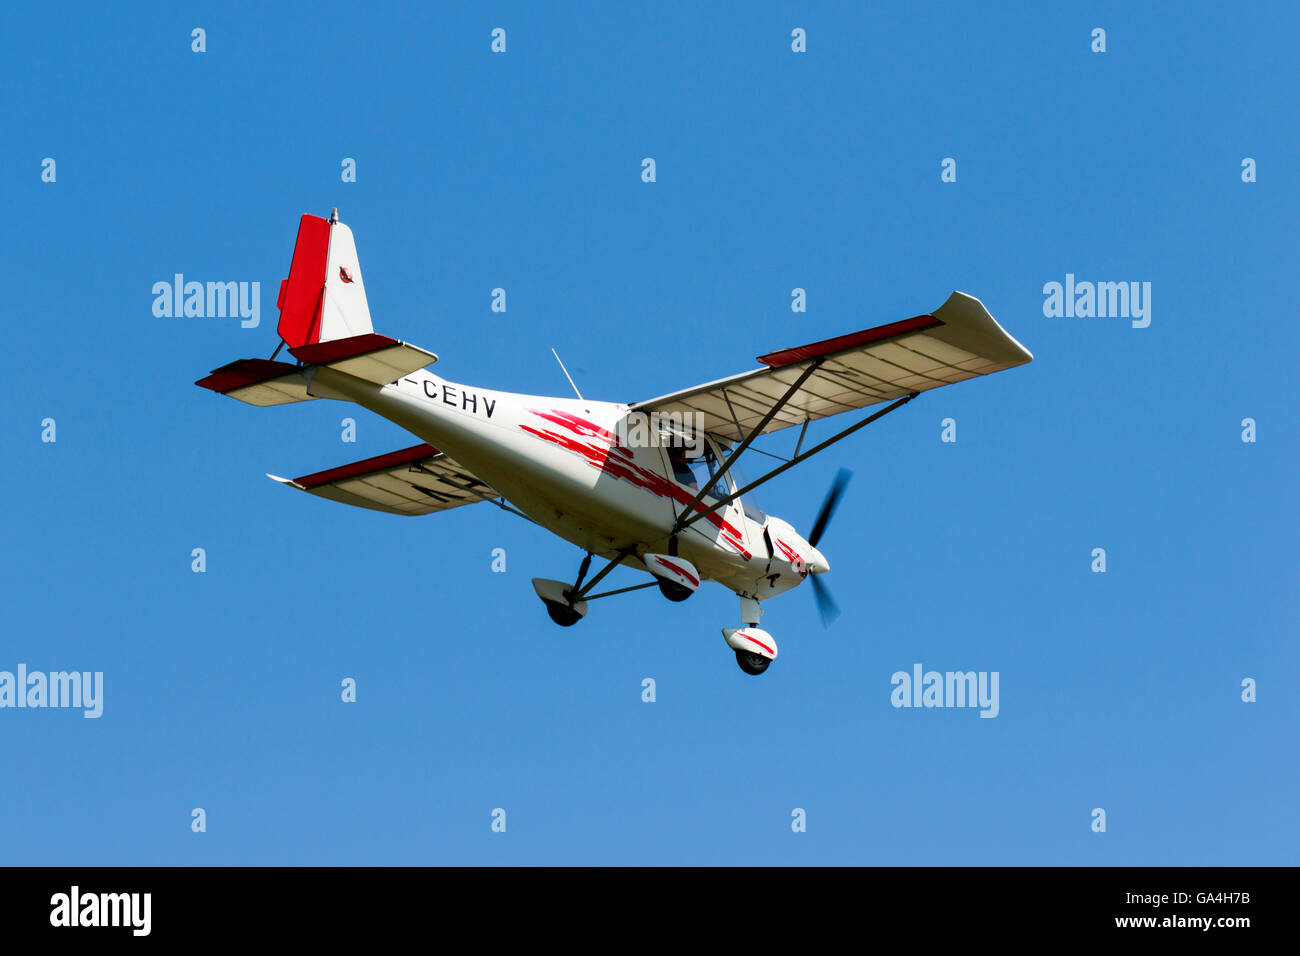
x: 674, y: 591
x: 562, y: 614
x: 755, y: 648
x: 567, y: 603
x: 752, y: 663
x: 560, y: 602
x: 677, y: 578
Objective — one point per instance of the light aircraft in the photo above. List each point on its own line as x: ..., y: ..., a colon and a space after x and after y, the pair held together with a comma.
x: 650, y: 485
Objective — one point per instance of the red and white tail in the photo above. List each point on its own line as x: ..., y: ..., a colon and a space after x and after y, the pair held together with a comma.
x: 324, y: 298
x: 325, y: 321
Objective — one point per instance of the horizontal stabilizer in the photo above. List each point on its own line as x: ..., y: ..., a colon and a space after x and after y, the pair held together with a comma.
x: 413, y: 481
x: 259, y: 382
x: 371, y: 357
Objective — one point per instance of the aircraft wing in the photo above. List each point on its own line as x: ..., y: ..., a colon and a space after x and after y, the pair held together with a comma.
x: 413, y: 481
x: 959, y: 340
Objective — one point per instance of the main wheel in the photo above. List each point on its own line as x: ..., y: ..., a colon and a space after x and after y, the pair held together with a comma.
x: 562, y: 614
x: 752, y: 663
x: 674, y: 591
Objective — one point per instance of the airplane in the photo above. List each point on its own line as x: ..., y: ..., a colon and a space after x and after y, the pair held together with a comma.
x: 649, y: 485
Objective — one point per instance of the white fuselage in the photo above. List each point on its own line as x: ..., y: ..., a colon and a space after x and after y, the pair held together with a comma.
x: 560, y: 462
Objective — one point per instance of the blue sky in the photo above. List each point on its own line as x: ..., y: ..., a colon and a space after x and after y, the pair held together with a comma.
x: 775, y: 170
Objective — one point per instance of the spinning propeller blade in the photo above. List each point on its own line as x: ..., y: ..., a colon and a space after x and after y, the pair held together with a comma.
x: 825, y: 603
x: 829, y: 505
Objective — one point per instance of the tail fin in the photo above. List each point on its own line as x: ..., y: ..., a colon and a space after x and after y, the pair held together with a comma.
x: 325, y: 320
x: 324, y: 298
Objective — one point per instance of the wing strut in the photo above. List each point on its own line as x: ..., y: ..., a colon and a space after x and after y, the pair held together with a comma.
x: 688, y: 518
x: 501, y: 503
x: 635, y: 587
x: 580, y: 591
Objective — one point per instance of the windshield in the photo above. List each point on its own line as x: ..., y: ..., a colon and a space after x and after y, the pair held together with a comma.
x: 694, y: 471
x: 750, y: 500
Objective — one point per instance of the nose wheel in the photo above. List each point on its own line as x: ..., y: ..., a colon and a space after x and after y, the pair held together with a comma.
x: 755, y: 648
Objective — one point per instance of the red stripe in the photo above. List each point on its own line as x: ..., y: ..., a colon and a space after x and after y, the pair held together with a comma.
x: 695, y: 582
x: 339, y: 349
x: 790, y: 552
x: 367, y: 467
x: 802, y: 353
x: 300, y: 297
x: 759, y: 643
x: 244, y: 372
x: 618, y: 461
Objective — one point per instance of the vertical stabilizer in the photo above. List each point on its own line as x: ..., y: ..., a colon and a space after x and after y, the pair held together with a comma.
x: 324, y: 298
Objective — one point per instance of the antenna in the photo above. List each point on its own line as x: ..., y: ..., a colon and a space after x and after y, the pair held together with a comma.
x: 334, y: 215
x: 567, y: 375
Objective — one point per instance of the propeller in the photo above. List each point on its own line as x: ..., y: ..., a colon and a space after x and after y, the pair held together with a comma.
x: 829, y: 505
x: 825, y: 603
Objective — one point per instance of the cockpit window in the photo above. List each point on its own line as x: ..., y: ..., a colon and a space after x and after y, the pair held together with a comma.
x: 694, y: 469
x: 681, y: 470
x: 705, y: 467
x: 750, y: 500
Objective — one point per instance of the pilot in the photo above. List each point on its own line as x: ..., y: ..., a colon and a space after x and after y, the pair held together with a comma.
x: 681, y: 470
